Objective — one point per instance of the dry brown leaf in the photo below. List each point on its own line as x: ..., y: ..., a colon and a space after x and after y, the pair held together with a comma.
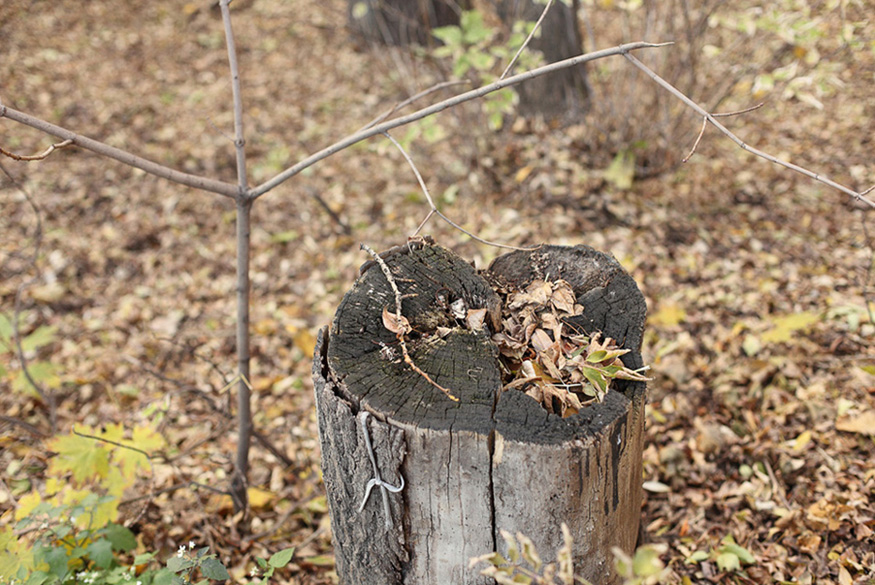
x: 863, y: 423
x: 475, y: 318
x: 399, y: 325
x: 563, y: 298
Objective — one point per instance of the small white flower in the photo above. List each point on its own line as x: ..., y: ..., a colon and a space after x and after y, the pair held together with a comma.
x: 181, y: 551
x: 139, y: 583
x: 190, y: 544
x: 253, y: 572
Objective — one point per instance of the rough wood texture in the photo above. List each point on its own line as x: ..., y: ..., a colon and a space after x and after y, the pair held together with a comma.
x: 492, y: 461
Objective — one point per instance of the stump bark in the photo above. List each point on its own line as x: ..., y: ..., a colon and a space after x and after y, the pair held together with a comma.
x: 491, y: 461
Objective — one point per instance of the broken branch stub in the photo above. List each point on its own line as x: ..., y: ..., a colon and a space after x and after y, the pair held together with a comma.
x: 496, y: 459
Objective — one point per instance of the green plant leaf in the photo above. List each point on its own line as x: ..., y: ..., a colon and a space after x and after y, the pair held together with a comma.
x: 450, y: 35
x: 42, y: 335
x: 120, y: 537
x: 177, y: 564
x: 281, y: 559
x: 214, y: 569
x: 621, y: 171
x: 728, y: 562
x: 56, y: 558
x: 100, y: 551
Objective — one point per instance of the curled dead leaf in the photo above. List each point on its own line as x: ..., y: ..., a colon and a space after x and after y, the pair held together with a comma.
x: 397, y: 324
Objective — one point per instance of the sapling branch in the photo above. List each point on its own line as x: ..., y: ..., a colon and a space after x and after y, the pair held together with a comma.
x: 244, y: 208
x: 412, y: 99
x: 41, y: 156
x: 348, y: 141
x: 713, y: 120
x: 433, y: 208
x: 132, y: 160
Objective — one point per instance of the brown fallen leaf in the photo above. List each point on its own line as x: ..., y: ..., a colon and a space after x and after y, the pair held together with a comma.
x: 863, y: 423
x: 397, y: 324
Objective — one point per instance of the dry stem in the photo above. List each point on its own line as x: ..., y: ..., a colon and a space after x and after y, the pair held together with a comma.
x: 400, y: 333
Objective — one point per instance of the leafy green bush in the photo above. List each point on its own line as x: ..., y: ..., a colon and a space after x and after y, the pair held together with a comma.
x: 475, y: 52
x: 69, y: 533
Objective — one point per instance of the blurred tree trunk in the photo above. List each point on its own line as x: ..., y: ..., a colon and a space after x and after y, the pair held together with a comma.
x: 402, y: 22
x: 562, y: 95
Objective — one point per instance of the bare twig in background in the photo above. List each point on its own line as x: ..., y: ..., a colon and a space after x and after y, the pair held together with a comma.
x: 47, y: 396
x: 433, y: 208
x: 713, y: 120
x: 402, y: 325
x: 705, y: 125
x: 25, y: 425
x: 410, y: 100
x: 528, y: 40
x: 40, y: 156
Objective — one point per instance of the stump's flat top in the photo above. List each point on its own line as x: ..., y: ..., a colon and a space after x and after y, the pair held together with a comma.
x: 438, y: 288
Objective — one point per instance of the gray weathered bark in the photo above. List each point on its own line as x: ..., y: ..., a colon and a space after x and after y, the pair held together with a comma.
x: 492, y: 461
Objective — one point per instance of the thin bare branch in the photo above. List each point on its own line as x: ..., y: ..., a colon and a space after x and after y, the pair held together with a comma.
x: 739, y: 112
x: 203, y: 183
x: 435, y: 210
x: 44, y: 154
x: 702, y: 112
x: 698, y: 139
x: 400, y: 319
x: 412, y: 99
x: 290, y: 172
x: 239, y: 140
x: 528, y: 40
x: 46, y: 395
x: 25, y: 425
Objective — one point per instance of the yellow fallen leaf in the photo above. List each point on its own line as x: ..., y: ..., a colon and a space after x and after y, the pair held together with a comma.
x: 802, y: 441
x: 863, y: 424
x: 523, y: 173
x: 259, y: 498
x: 783, y: 327
x: 668, y: 314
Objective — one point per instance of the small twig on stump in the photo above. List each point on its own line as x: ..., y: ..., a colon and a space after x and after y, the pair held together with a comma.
x: 403, y: 325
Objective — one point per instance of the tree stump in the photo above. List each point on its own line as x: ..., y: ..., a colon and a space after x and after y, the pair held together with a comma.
x: 491, y: 461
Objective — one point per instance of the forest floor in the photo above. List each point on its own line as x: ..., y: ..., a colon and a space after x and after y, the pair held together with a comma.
x: 761, y: 412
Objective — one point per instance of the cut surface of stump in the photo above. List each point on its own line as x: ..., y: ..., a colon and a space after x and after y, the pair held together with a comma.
x: 494, y: 460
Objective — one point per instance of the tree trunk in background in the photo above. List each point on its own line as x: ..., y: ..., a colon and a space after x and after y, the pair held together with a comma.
x: 495, y: 460
x: 402, y: 22
x: 563, y: 95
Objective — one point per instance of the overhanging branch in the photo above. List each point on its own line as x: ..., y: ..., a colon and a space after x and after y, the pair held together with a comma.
x: 440, y: 106
x: 211, y: 185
